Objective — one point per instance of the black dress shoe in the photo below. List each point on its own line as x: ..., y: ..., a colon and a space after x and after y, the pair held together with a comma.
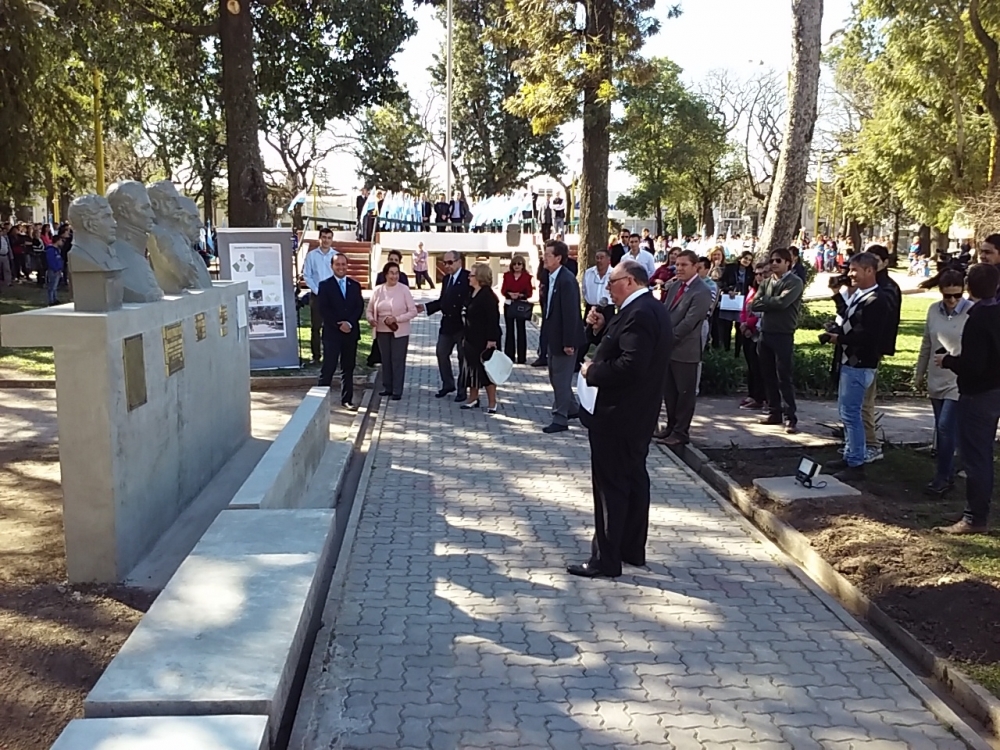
x: 444, y: 392
x: 348, y: 405
x: 385, y: 393
x: 461, y: 397
x: 540, y: 362
x: 589, y: 571
x: 575, y: 415
x: 554, y: 428
x: 397, y: 398
x: 635, y: 563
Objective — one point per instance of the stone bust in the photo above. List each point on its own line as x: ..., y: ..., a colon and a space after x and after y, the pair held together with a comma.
x: 134, y: 215
x: 176, y: 265
x: 94, y: 265
x: 193, y: 235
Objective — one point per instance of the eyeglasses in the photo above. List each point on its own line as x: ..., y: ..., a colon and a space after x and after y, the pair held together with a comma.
x: 612, y: 281
x: 777, y: 260
x: 952, y: 296
x: 448, y: 262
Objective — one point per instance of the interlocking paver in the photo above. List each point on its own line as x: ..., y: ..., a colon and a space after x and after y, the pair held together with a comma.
x: 459, y: 629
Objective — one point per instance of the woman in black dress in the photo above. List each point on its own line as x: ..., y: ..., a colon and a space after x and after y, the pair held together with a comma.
x: 482, y: 332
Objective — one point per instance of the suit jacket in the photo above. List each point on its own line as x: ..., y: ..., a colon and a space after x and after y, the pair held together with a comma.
x: 686, y: 318
x: 628, y: 369
x: 336, y: 307
x: 563, y: 322
x: 451, y: 302
x: 360, y: 204
x: 426, y: 209
x: 441, y: 212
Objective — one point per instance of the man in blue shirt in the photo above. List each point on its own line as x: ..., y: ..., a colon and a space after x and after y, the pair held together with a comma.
x: 53, y: 269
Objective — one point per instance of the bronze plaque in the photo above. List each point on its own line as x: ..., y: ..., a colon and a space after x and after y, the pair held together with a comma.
x: 134, y: 362
x: 173, y: 347
x: 223, y: 320
x: 200, y: 327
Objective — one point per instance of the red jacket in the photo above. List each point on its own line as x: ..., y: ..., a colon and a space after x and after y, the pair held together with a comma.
x: 520, y: 286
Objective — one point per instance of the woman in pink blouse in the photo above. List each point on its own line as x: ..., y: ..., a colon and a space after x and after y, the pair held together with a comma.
x: 390, y: 311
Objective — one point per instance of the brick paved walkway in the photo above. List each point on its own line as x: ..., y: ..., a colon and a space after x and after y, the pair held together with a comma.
x: 459, y: 628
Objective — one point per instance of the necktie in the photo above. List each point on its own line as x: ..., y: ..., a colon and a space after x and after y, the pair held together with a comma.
x: 343, y: 287
x: 680, y: 293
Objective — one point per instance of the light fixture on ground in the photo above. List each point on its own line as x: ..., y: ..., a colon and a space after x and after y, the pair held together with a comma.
x: 806, y: 471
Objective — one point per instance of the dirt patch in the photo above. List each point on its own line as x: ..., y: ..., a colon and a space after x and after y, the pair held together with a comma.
x: 945, y: 591
x: 55, y: 640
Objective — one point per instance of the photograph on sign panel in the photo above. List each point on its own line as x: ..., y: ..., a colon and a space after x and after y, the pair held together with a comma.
x: 266, y: 319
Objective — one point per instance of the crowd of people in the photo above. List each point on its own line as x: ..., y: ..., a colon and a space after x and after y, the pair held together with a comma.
x: 36, y: 248
x: 732, y: 301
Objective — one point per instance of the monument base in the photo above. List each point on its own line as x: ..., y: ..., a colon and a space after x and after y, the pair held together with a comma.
x: 152, y: 401
x: 97, y: 291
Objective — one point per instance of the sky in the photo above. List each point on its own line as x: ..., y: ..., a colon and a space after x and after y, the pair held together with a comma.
x: 741, y: 36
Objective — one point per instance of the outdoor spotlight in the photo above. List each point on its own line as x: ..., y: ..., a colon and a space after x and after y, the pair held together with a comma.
x: 806, y: 471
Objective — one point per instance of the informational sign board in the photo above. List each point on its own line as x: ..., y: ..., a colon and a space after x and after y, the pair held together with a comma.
x: 265, y: 259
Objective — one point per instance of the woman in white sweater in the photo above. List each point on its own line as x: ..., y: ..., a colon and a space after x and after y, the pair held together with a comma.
x: 943, y: 335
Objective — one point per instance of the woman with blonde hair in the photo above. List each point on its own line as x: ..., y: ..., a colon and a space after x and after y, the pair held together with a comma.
x: 482, y: 333
x: 390, y: 311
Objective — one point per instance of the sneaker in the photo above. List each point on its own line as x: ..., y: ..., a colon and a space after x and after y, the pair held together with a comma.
x: 873, y: 454
x: 937, y: 488
x: 751, y: 405
x: 962, y: 528
x: 791, y: 426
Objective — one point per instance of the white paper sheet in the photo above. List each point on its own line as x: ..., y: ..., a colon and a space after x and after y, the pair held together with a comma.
x: 586, y: 394
x: 241, y: 312
x: 734, y: 304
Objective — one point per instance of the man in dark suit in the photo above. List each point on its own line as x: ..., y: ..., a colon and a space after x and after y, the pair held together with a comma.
x: 688, y: 300
x: 620, y: 250
x: 628, y: 370
x: 342, y: 306
x: 455, y: 293
x: 458, y: 212
x: 426, y: 210
x: 562, y: 327
x: 360, y: 204
x: 441, y: 212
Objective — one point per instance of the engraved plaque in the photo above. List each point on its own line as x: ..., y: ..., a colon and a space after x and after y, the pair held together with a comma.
x: 200, y: 327
x: 223, y: 320
x: 134, y: 362
x: 173, y: 347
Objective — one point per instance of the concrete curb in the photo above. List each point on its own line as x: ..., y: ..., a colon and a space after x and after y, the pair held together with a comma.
x: 310, y: 702
x: 823, y: 579
x: 258, y: 383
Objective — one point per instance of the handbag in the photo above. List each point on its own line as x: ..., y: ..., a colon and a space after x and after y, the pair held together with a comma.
x: 521, y: 309
x: 498, y: 367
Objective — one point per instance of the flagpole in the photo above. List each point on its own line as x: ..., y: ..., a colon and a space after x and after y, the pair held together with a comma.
x: 448, y: 96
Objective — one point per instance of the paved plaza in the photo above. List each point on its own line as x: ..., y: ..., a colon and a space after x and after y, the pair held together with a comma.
x: 458, y: 626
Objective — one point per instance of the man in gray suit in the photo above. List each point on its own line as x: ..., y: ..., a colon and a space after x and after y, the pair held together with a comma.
x: 562, y: 328
x: 688, y: 299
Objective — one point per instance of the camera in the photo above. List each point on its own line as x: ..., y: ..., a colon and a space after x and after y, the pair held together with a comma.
x: 825, y: 338
x: 838, y: 281
x: 829, y: 327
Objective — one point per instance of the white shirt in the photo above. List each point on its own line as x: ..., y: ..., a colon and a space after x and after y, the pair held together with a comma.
x: 318, y: 268
x: 644, y: 258
x: 633, y: 296
x: 595, y: 287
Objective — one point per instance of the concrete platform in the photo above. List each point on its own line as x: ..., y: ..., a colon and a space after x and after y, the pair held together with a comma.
x: 786, y: 490
x: 292, y: 458
x: 323, y: 490
x: 226, y: 634
x: 166, y: 733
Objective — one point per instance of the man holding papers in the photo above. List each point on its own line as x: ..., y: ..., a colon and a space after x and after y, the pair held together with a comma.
x: 628, y: 370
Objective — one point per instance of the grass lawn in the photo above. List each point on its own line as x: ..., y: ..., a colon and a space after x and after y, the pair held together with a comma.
x: 38, y: 361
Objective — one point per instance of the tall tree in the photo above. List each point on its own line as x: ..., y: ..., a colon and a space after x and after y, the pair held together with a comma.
x: 785, y: 209
x: 579, y: 55
x: 387, y: 144
x: 497, y: 149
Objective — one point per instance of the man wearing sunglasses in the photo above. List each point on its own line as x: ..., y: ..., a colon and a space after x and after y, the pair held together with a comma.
x: 455, y: 293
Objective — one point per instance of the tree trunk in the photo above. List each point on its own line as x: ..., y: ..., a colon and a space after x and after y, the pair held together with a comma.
x: 785, y: 205
x: 925, y: 240
x: 248, y: 206
x: 894, y: 250
x: 208, y: 198
x: 708, y: 218
x: 854, y: 233
x: 659, y: 217
x: 596, y: 135
x: 940, y: 241
x: 991, y: 82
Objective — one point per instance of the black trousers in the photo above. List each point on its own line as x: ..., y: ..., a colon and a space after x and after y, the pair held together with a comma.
x: 977, y: 428
x: 621, y: 500
x: 420, y: 277
x: 776, y: 350
x: 343, y: 348
x: 515, y: 337
x: 755, y: 381
x: 722, y: 332
x: 316, y: 324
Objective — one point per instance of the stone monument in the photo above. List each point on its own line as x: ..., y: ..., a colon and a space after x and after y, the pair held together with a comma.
x: 176, y: 265
x: 94, y: 267
x: 194, y: 235
x: 134, y: 215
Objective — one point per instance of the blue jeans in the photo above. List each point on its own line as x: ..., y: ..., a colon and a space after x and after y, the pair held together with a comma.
x: 52, y: 285
x: 946, y: 438
x: 854, y: 381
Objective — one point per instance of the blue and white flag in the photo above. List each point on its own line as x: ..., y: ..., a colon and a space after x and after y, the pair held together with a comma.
x: 298, y: 200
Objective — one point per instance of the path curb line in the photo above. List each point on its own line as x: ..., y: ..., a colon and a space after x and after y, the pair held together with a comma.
x: 309, y: 703
x: 819, y: 574
x: 258, y: 383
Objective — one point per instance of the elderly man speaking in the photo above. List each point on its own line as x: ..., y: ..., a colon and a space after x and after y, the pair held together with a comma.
x: 628, y: 370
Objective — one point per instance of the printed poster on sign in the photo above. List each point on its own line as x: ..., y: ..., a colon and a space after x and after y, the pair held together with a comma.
x: 260, y: 266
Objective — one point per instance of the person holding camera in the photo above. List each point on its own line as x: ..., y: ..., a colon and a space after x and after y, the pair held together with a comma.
x: 858, y: 335
x: 894, y: 305
x: 778, y: 302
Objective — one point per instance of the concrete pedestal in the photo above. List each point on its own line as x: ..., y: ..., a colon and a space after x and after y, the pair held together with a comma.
x: 97, y: 291
x: 152, y: 400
